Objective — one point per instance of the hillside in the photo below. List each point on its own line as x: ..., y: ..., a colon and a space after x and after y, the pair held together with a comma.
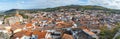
x: 77, y: 7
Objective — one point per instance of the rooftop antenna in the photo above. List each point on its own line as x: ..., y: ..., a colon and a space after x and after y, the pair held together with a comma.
x: 18, y: 4
x: 17, y: 12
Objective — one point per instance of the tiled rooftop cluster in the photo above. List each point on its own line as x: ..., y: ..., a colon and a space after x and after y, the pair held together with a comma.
x: 58, y: 25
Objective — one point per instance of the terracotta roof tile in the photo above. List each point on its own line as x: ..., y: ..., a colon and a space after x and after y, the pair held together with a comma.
x: 28, y: 24
x: 28, y: 33
x: 40, y: 34
x: 67, y: 36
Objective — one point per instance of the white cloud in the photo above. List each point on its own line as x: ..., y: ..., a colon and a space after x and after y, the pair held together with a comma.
x: 55, y: 3
x: 27, y: 4
x: 115, y: 4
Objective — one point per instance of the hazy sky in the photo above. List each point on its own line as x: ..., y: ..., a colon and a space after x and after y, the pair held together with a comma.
x: 29, y: 4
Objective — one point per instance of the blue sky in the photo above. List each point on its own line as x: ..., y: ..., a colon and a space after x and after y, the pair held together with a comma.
x: 29, y: 4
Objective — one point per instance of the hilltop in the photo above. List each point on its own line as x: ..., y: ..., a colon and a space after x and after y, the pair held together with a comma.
x: 76, y: 7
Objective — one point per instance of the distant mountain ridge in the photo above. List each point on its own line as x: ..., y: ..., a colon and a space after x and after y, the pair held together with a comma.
x: 77, y: 7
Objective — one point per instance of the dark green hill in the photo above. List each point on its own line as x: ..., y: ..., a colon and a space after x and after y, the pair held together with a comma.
x: 77, y: 7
